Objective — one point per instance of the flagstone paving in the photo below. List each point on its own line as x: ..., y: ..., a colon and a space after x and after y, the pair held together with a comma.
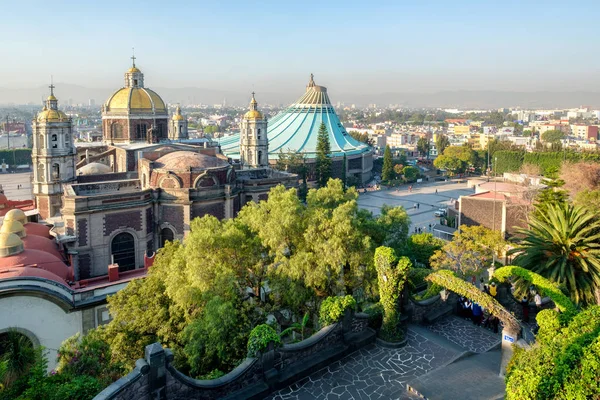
x: 371, y: 373
x: 463, y: 333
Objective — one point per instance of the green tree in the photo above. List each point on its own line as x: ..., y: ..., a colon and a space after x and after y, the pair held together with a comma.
x: 441, y: 143
x: 455, y: 159
x: 410, y: 173
x: 553, y: 136
x: 472, y: 249
x: 391, y: 276
x: 563, y: 245
x: 323, y: 161
x: 551, y: 195
x: 422, y: 246
x: 423, y: 147
x: 387, y: 172
x: 17, y: 356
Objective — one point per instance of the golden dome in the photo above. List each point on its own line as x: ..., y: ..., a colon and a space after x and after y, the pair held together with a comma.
x: 177, y: 117
x: 13, y: 227
x: 10, y: 244
x: 52, y: 115
x: 133, y: 69
x: 136, y: 100
x: 16, y: 215
x: 253, y: 114
x: 52, y: 98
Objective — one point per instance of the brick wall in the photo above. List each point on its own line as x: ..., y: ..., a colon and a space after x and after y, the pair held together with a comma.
x: 480, y: 212
x: 149, y: 221
x: 215, y: 209
x: 85, y: 266
x: 174, y: 216
x: 126, y: 219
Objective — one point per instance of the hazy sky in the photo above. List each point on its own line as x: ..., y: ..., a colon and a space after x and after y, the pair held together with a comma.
x: 369, y: 47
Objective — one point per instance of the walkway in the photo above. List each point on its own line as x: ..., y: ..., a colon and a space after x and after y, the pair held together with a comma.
x: 466, y: 335
x: 372, y: 373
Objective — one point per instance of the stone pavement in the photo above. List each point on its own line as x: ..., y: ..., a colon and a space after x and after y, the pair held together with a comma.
x: 463, y: 333
x: 10, y: 182
x: 472, y: 378
x: 371, y: 373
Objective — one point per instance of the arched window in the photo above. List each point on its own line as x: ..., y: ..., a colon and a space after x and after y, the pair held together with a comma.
x: 166, y: 234
x: 259, y: 161
x: 122, y: 250
x: 55, y: 172
x: 117, y: 131
x: 14, y: 344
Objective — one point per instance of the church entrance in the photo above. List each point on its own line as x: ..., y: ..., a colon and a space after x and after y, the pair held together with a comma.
x: 123, y: 251
x: 166, y: 234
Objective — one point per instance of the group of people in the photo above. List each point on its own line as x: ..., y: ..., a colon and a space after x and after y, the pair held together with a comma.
x: 469, y: 309
x: 418, y: 229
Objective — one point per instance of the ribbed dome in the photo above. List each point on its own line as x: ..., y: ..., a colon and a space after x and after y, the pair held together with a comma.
x: 52, y: 116
x: 33, y: 272
x: 46, y: 245
x: 12, y: 226
x: 16, y: 215
x: 184, y: 160
x: 136, y: 100
x: 34, y: 228
x: 94, y: 169
x: 41, y: 259
x: 297, y: 127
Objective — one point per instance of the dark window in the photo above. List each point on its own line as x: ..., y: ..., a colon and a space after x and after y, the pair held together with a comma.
x: 54, y: 137
x: 135, y: 82
x: 55, y: 172
x: 117, y: 131
x: 122, y: 250
x: 166, y: 234
x: 259, y: 131
x: 140, y: 131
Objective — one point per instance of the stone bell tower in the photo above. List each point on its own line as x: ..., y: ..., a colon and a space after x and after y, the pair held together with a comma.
x: 54, y: 156
x: 254, y: 144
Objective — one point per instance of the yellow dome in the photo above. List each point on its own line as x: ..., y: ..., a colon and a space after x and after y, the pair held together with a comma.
x: 253, y: 114
x: 133, y: 69
x: 16, y: 215
x: 13, y: 227
x: 10, y: 240
x: 52, y: 115
x: 136, y: 100
x: 52, y: 98
x: 178, y: 117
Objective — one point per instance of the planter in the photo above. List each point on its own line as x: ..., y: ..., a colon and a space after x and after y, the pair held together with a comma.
x: 392, y: 345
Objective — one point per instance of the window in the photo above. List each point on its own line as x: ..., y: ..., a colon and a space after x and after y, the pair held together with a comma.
x: 140, y: 131
x: 54, y: 141
x: 259, y: 161
x: 166, y: 235
x: 55, y: 172
x: 258, y: 131
x: 135, y: 82
x: 117, y: 131
x: 122, y: 250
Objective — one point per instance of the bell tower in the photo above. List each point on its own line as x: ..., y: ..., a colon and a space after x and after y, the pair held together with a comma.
x: 53, y: 155
x: 254, y: 144
x: 179, y: 126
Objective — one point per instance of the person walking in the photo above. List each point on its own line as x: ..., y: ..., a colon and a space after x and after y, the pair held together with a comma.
x: 493, y: 289
x: 435, y: 191
x: 418, y: 205
x: 477, y: 315
x: 538, y: 301
x: 525, y: 306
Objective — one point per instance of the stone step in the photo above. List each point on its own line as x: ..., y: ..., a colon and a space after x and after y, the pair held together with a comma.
x: 475, y: 377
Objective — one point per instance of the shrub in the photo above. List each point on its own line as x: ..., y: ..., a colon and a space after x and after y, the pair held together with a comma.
x: 259, y: 339
x: 333, y: 308
x: 375, y: 313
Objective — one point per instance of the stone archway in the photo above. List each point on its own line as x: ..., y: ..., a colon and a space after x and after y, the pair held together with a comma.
x: 122, y: 250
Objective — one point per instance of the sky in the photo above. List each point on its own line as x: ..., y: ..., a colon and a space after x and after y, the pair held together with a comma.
x: 363, y: 47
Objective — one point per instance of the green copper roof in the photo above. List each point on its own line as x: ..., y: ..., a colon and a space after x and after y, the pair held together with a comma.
x: 296, y: 128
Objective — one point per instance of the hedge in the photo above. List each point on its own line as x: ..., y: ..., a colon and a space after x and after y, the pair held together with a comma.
x: 511, y: 161
x: 21, y: 156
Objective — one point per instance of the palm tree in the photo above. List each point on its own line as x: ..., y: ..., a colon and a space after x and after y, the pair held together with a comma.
x: 563, y: 245
x: 17, y: 355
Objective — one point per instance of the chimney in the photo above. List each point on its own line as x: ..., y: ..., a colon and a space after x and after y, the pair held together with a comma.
x: 113, y: 272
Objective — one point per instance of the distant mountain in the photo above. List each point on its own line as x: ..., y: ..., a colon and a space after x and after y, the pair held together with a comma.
x: 483, y: 99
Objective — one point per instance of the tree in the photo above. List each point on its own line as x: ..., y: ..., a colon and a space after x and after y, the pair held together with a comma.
x: 580, y: 176
x: 527, y: 132
x: 410, y: 173
x: 362, y: 137
x: 471, y: 249
x: 553, y: 136
x: 423, y: 146
x: 391, y: 276
x: 589, y: 199
x: 421, y: 247
x: 323, y: 160
x: 441, y: 143
x: 387, y: 171
x: 344, y: 168
x: 17, y: 356
x: 551, y: 195
x: 398, y: 169
x: 455, y: 159
x: 563, y: 245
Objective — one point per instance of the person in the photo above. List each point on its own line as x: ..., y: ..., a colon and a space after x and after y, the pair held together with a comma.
x: 538, y: 301
x: 419, y: 230
x: 418, y: 205
x: 466, y: 305
x: 477, y: 314
x: 435, y: 191
x: 493, y: 289
x: 525, y: 305
x: 429, y: 227
x: 415, y: 206
x: 410, y: 188
x: 473, y: 280
x: 481, y: 285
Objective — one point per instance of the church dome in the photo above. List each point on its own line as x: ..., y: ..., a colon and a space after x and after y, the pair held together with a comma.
x: 52, y: 115
x: 34, y: 228
x: 253, y: 114
x: 30, y: 272
x: 136, y: 100
x: 16, y: 215
x: 184, y: 160
x: 94, y: 168
x: 12, y: 226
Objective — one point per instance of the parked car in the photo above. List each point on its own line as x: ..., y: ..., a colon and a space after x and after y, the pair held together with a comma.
x: 441, y: 212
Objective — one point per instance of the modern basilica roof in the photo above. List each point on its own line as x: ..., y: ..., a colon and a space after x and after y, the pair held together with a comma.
x: 296, y: 128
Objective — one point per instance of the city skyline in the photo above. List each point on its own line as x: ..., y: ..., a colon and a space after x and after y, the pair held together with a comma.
x: 351, y: 48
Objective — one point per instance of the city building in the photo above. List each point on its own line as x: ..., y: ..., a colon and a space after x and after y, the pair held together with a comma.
x: 586, y: 132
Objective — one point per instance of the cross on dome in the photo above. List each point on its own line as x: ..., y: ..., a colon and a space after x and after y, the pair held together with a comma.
x: 133, y: 56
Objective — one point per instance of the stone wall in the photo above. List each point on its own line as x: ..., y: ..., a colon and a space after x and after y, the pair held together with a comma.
x: 433, y: 304
x: 155, y: 377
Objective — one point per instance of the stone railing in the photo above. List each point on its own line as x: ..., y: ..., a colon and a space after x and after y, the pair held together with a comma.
x: 431, y: 305
x: 155, y: 377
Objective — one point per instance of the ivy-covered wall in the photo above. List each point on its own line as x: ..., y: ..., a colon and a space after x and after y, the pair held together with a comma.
x: 511, y: 161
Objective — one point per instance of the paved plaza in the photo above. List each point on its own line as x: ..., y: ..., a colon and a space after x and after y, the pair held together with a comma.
x: 424, y: 195
x: 372, y: 373
x: 10, y: 184
x: 465, y: 334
